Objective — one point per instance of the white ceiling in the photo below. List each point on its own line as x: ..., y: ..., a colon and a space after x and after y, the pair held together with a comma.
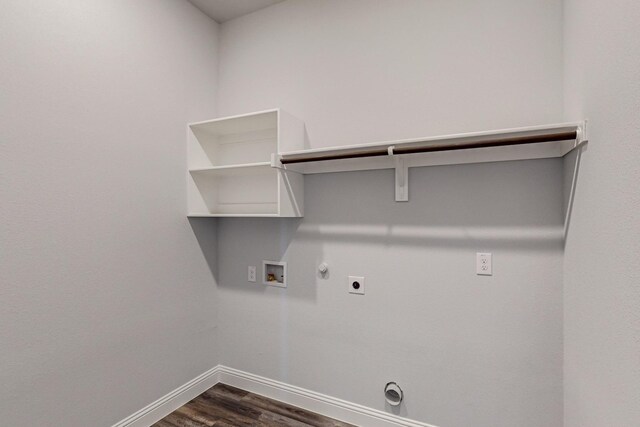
x: 224, y: 10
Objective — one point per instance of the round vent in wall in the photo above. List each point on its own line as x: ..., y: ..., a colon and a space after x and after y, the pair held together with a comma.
x: 393, y: 394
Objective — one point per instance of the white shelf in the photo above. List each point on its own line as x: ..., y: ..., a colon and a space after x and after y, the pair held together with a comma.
x: 250, y: 138
x: 239, y: 124
x: 204, y: 215
x: 240, y: 169
x: 252, y: 165
x: 537, y: 142
x: 230, y: 173
x: 445, y: 157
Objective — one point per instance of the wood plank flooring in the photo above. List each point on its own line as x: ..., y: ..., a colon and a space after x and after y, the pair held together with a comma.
x: 226, y: 406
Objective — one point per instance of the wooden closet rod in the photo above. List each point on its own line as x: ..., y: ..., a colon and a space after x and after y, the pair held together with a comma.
x: 430, y: 148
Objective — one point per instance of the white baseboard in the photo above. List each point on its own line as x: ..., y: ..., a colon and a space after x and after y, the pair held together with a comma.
x: 170, y: 402
x: 296, y: 396
x: 312, y: 401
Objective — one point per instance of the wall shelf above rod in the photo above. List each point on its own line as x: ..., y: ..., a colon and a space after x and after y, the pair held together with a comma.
x: 537, y: 142
x: 498, y: 145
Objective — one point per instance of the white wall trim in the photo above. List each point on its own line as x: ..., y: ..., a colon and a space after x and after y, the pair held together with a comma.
x: 310, y: 400
x: 172, y: 401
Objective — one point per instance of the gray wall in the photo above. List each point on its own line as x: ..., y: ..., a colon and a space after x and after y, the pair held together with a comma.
x: 107, y: 300
x: 468, y: 350
x: 361, y: 71
x: 602, y: 267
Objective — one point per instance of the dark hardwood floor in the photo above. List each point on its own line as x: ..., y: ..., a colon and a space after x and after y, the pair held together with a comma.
x: 226, y: 406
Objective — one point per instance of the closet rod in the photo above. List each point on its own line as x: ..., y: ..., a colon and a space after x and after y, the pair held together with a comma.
x: 430, y: 148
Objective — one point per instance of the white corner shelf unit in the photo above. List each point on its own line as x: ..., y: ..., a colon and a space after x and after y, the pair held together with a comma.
x: 230, y: 169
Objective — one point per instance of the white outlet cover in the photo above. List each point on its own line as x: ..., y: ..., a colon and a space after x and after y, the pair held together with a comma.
x: 484, y: 263
x: 251, y: 274
x: 360, y: 287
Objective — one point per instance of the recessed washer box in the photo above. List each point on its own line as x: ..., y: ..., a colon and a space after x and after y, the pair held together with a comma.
x: 274, y: 273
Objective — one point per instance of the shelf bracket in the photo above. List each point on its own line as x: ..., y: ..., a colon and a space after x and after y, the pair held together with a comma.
x: 402, y: 178
x: 581, y: 134
x: 275, y: 161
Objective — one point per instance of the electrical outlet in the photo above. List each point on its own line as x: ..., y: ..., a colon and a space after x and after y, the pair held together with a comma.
x: 483, y: 264
x: 251, y: 276
x: 356, y: 285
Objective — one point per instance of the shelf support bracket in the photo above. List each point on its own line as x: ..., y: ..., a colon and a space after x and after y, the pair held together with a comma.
x: 402, y: 179
x: 275, y: 162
